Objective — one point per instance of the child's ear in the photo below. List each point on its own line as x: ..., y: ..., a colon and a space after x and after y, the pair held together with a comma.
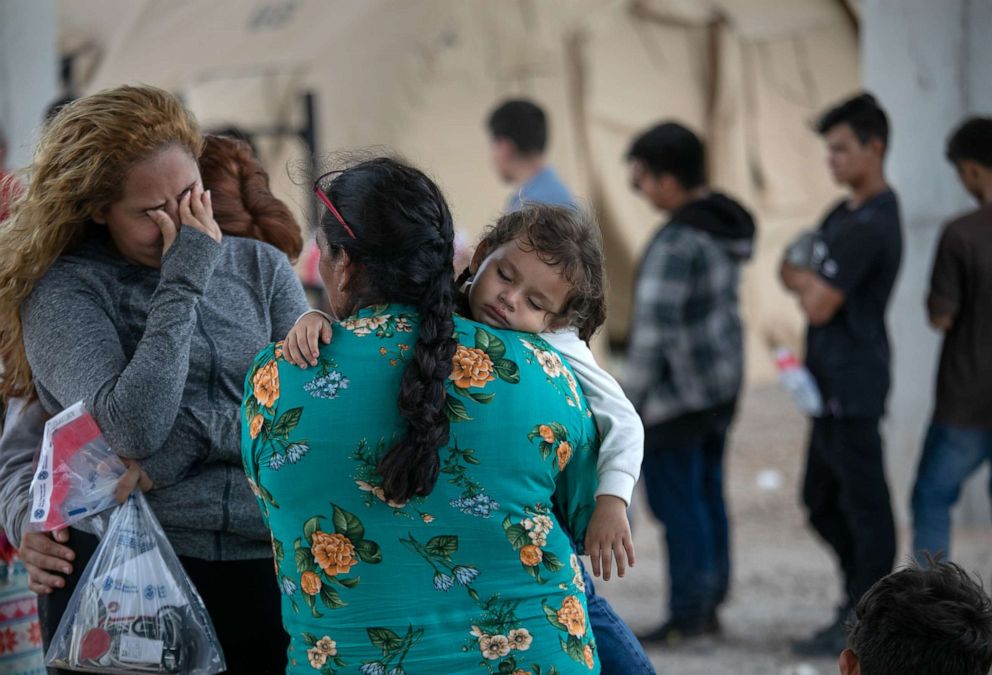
x: 558, y: 323
x: 481, y: 253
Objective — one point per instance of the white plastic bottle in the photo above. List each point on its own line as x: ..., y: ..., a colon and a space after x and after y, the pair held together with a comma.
x: 797, y: 380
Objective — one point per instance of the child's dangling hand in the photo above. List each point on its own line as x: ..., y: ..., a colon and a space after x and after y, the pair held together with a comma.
x: 301, y: 346
x: 608, y: 536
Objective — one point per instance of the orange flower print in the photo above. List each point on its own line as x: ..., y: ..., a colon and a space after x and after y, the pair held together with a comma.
x: 471, y: 367
x: 278, y: 351
x: 531, y: 555
x: 572, y: 616
x: 256, y: 426
x: 333, y: 552
x: 383, y: 351
x: 564, y: 454
x: 587, y: 653
x: 310, y: 583
x: 326, y: 645
x: 547, y: 435
x: 266, y: 384
x: 317, y: 659
x: 427, y: 518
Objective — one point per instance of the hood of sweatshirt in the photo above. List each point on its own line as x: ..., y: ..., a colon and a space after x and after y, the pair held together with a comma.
x: 729, y: 223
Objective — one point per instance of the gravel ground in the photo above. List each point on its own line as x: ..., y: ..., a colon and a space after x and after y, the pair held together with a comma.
x: 785, y: 584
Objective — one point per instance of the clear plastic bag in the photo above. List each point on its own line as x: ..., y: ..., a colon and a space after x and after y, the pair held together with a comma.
x: 135, y: 609
x: 77, y: 471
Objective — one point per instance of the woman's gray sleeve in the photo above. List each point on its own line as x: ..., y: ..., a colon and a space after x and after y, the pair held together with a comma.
x: 23, y: 428
x: 76, y: 355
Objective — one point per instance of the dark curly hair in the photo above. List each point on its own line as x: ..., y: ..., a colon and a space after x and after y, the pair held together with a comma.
x: 935, y: 619
x: 566, y: 238
x: 404, y: 247
x: 243, y: 204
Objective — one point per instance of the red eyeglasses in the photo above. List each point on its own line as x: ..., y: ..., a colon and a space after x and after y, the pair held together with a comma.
x: 322, y: 196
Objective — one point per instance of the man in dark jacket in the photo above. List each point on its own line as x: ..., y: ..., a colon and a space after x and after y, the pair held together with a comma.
x: 685, y: 367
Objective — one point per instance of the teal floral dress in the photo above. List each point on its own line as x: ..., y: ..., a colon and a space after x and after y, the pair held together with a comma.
x: 477, y: 577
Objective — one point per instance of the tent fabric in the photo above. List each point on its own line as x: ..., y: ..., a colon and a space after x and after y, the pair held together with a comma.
x: 420, y: 78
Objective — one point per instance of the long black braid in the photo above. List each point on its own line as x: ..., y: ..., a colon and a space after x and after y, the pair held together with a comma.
x: 404, y: 240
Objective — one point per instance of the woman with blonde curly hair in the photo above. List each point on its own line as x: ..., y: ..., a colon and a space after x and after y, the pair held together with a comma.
x: 118, y: 288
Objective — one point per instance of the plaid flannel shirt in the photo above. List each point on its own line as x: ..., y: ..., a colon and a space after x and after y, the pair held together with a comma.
x: 686, y: 341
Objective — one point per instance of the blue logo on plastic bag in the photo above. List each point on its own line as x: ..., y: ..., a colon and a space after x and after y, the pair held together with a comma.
x: 108, y: 583
x: 39, y: 513
x: 43, y: 475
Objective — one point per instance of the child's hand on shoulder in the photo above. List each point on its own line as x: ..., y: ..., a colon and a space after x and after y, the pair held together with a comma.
x: 301, y: 346
x: 609, y: 537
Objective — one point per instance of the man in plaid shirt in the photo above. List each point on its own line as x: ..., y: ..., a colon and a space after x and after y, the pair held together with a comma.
x: 685, y: 367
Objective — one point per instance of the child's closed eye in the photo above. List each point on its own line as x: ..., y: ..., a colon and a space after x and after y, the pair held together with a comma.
x: 502, y: 275
x: 534, y: 305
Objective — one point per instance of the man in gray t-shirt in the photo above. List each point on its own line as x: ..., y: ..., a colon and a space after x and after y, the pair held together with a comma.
x: 959, y: 439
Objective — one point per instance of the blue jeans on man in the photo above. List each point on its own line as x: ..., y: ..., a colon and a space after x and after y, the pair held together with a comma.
x: 950, y: 455
x: 683, y: 476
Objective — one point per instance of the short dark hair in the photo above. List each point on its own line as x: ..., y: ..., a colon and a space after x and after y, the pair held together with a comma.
x: 972, y: 140
x: 523, y: 123
x: 924, y: 620
x: 863, y: 114
x: 672, y: 148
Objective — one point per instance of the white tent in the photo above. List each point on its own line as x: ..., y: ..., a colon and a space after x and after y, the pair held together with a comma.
x: 420, y: 76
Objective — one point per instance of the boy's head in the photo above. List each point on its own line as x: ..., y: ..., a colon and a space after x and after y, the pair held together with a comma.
x: 518, y: 131
x: 856, y: 133
x: 969, y: 149
x: 540, y: 268
x: 666, y: 162
x: 921, y: 622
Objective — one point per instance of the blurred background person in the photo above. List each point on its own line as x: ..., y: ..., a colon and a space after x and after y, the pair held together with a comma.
x: 843, y: 289
x: 519, y: 133
x: 959, y: 439
x: 686, y: 367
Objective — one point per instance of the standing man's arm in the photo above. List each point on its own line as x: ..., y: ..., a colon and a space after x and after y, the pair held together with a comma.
x: 946, y: 282
x: 819, y: 300
x: 662, y: 288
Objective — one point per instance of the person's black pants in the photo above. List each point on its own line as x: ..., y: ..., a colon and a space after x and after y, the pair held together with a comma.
x: 242, y: 598
x: 848, y: 499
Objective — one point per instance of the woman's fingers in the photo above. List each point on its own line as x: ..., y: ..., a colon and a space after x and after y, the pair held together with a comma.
x: 195, y: 211
x: 41, y: 582
x: 166, y: 226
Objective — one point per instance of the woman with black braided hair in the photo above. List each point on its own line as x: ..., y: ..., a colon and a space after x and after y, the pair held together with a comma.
x: 419, y: 479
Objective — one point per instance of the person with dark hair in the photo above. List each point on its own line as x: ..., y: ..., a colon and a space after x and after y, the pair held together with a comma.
x: 959, y: 439
x: 541, y: 270
x: 933, y: 620
x: 686, y: 367
x: 518, y: 131
x: 843, y: 275
x: 421, y: 480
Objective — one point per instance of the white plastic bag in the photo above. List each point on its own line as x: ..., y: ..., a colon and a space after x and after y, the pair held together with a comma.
x: 77, y: 471
x: 135, y: 609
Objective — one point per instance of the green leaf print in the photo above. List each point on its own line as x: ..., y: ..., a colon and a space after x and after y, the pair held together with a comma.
x: 456, y: 409
x: 480, y: 397
x: 312, y: 604
x: 308, y: 639
x: 506, y: 370
x: 490, y: 344
x: 552, y: 616
x: 368, y: 552
x: 303, y: 558
x: 287, y: 422
x: 517, y: 536
x: 384, y: 639
x: 311, y: 526
x: 348, y: 524
x: 330, y: 597
x: 348, y: 582
x: 443, y: 546
x: 552, y: 563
